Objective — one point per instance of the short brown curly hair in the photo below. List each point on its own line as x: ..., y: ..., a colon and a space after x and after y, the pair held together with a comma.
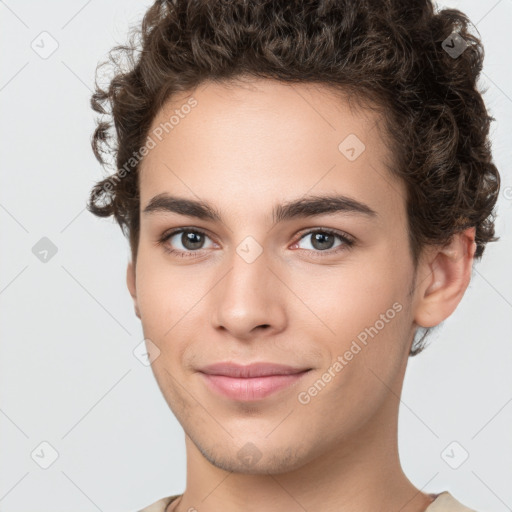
x: 392, y: 53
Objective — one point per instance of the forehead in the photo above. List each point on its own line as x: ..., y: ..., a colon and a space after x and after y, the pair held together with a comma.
x: 250, y: 144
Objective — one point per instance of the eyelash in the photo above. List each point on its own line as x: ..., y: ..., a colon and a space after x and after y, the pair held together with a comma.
x: 347, y: 240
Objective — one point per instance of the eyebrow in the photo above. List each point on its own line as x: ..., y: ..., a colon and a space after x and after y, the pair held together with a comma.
x: 308, y: 206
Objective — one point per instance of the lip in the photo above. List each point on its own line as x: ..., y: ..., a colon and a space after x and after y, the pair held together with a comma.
x: 250, y: 383
x: 262, y: 369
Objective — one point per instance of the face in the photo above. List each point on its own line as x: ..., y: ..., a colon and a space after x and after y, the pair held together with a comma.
x: 328, y: 291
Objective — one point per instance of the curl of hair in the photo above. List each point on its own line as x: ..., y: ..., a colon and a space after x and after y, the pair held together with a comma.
x: 387, y: 53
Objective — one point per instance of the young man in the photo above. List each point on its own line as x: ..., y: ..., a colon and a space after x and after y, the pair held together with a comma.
x: 304, y: 186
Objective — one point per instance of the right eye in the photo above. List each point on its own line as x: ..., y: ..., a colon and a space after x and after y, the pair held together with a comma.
x: 192, y: 241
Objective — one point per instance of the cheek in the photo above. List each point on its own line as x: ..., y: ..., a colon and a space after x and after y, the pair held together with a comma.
x: 158, y: 292
x: 360, y: 316
x: 352, y: 296
x: 171, y: 302
x: 162, y: 288
x: 365, y: 338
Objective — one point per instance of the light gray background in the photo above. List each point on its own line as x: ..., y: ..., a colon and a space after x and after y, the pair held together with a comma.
x: 67, y: 372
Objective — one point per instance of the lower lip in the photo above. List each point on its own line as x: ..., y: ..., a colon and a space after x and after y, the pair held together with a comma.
x: 250, y: 389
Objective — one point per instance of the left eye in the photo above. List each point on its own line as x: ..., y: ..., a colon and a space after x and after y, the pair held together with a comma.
x: 191, y: 240
x: 322, y: 240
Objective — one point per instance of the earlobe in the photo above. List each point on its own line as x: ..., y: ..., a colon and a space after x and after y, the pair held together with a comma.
x: 130, y: 281
x: 448, y: 273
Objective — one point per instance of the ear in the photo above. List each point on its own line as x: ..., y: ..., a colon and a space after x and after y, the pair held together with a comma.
x: 445, y: 274
x: 130, y: 281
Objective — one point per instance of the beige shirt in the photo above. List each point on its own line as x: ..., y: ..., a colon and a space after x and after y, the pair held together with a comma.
x: 444, y: 502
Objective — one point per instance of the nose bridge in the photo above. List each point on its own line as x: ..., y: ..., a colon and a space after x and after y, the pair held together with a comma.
x: 249, y: 294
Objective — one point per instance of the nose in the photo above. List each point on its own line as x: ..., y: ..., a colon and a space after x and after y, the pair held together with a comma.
x: 250, y: 299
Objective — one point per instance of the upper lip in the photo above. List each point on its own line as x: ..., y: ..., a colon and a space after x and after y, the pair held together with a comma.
x: 252, y: 370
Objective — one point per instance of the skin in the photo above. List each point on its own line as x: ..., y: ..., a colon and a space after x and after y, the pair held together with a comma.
x: 244, y: 148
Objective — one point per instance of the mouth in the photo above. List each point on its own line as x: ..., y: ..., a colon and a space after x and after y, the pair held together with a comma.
x: 250, y: 383
x: 260, y: 369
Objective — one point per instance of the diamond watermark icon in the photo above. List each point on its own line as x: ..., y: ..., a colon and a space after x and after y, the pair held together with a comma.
x: 454, y: 455
x: 146, y: 352
x: 45, y: 45
x: 454, y: 45
x: 44, y: 250
x: 351, y: 147
x: 249, y: 249
x: 44, y: 455
x: 249, y: 454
